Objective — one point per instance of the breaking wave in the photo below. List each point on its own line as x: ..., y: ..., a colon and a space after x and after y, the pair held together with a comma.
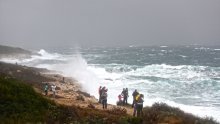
x: 193, y: 88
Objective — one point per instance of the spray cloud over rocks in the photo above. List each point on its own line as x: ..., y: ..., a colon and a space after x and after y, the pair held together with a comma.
x: 190, y: 84
x: 74, y: 66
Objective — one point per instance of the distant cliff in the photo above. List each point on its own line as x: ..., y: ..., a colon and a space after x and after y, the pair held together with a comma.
x: 13, y: 51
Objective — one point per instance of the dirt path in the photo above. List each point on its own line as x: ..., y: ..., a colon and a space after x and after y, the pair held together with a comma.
x: 67, y: 95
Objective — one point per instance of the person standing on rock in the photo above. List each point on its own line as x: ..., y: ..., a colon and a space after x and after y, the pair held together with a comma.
x: 139, y: 104
x: 134, y: 94
x: 125, y: 96
x: 100, y: 93
x: 104, y: 99
x: 134, y: 104
x: 46, y: 89
x: 53, y: 87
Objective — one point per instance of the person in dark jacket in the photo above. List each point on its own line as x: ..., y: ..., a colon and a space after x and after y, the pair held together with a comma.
x: 125, y: 96
x: 104, y: 99
x: 100, y: 93
x: 139, y: 104
x: 134, y: 94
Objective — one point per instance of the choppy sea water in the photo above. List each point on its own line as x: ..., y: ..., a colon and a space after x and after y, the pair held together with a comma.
x: 187, y: 77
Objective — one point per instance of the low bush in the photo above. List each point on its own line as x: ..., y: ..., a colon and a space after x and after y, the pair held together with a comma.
x: 20, y: 103
x: 118, y: 111
x: 162, y: 113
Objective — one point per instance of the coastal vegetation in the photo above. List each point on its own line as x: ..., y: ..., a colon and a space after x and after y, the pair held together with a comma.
x: 163, y: 113
x: 20, y: 103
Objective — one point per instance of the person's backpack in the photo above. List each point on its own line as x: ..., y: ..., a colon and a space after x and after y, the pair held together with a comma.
x: 139, y: 98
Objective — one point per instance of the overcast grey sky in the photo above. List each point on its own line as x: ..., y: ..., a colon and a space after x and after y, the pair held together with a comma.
x: 41, y: 23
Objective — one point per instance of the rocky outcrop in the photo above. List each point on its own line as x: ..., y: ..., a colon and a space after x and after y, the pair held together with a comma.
x: 6, y: 51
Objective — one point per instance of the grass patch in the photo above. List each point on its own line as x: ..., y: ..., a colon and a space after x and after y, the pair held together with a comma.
x: 20, y: 103
x: 162, y: 113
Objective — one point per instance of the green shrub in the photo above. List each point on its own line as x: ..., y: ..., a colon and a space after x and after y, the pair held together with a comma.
x: 130, y: 120
x: 162, y: 113
x: 21, y: 104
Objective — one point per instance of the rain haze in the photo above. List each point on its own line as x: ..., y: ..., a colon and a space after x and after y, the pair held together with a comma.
x: 42, y: 23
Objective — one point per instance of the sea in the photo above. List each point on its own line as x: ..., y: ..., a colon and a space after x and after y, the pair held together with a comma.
x: 187, y: 77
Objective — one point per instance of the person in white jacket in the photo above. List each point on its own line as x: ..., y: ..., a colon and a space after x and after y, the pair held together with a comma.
x: 53, y: 87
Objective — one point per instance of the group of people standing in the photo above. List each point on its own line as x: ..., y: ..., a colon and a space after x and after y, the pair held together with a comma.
x: 138, y: 100
x: 103, y: 96
x: 53, y: 89
x: 124, y: 95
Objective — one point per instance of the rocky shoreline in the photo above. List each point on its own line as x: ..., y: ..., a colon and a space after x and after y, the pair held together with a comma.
x: 67, y: 88
x: 70, y: 94
x: 80, y: 106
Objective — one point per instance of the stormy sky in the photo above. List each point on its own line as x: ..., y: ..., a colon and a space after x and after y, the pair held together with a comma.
x: 40, y: 23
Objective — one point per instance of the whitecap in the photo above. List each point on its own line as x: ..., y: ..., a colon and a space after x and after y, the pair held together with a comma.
x: 163, y: 50
x: 163, y: 46
x: 182, y: 56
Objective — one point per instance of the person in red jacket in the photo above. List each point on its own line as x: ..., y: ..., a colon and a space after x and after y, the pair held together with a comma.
x: 120, y: 98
